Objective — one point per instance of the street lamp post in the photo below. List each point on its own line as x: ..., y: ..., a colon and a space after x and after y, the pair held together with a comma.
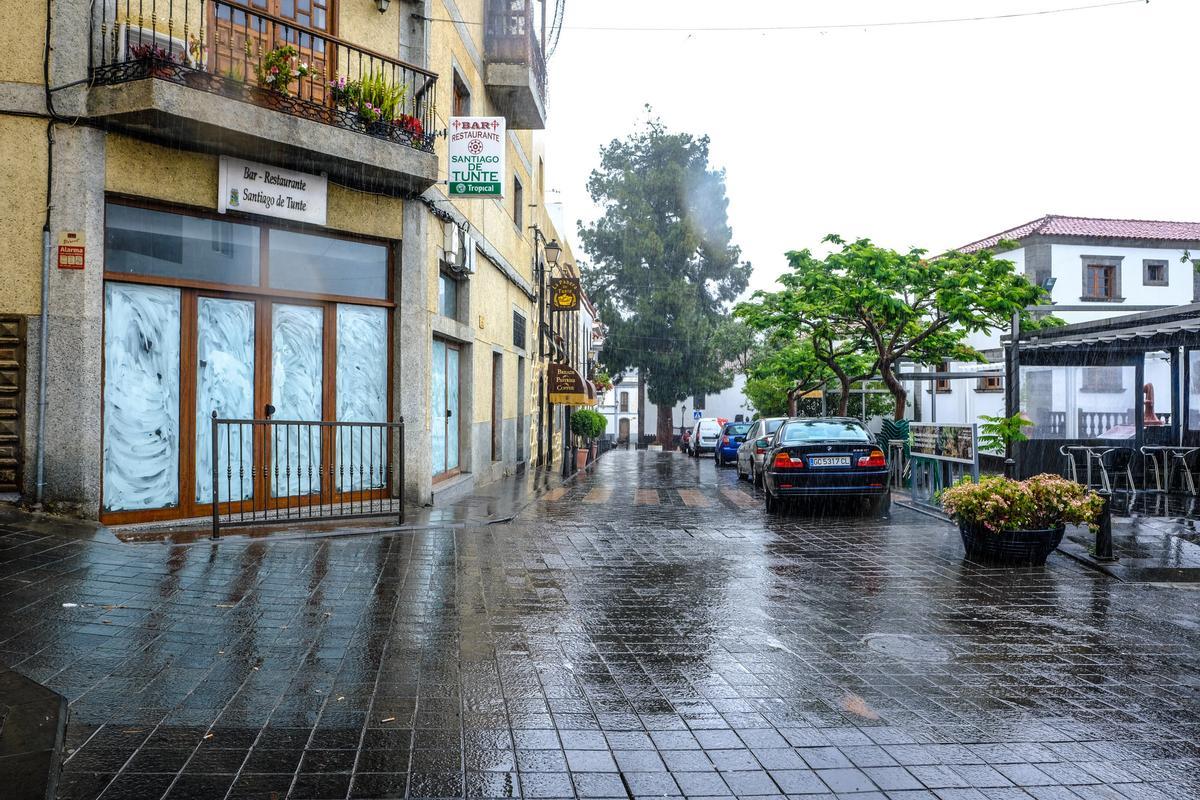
x: 552, y: 251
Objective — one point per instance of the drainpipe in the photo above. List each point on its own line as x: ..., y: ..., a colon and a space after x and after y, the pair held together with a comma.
x: 44, y: 324
x: 43, y: 358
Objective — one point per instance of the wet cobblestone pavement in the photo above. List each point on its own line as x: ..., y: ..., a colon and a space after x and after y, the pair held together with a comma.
x: 646, y: 632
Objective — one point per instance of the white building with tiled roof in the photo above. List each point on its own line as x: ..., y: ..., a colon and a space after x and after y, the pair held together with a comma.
x: 1094, y: 268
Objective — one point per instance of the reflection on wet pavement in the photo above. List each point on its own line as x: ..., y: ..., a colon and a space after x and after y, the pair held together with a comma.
x: 664, y: 638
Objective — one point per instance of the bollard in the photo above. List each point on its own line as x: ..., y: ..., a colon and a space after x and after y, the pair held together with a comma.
x: 1009, y: 464
x: 1103, y: 550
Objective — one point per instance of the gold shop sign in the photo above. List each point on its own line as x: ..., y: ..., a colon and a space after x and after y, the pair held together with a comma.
x: 564, y: 294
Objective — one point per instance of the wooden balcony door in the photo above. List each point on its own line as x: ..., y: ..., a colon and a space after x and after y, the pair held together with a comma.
x: 238, y: 38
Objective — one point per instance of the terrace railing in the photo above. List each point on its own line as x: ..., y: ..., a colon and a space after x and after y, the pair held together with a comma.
x: 229, y: 48
x: 267, y: 471
x: 511, y: 38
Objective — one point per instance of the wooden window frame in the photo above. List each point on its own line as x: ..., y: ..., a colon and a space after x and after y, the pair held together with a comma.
x: 1109, y: 266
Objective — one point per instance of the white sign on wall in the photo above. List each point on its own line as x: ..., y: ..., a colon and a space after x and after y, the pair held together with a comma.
x: 476, y: 157
x: 271, y: 191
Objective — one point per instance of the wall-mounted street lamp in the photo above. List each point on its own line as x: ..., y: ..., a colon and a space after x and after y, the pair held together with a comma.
x: 382, y: 5
x: 553, y: 252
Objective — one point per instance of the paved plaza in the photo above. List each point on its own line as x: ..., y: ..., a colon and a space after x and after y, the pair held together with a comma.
x: 645, y: 631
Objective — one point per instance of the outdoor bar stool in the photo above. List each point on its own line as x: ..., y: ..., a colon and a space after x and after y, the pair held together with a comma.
x: 1072, y: 470
x: 1182, y: 460
x: 1115, y: 463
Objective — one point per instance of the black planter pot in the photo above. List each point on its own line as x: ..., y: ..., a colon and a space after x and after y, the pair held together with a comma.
x: 1027, y: 548
x: 380, y: 128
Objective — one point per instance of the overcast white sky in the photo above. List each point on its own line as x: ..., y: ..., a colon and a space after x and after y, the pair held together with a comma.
x: 927, y: 135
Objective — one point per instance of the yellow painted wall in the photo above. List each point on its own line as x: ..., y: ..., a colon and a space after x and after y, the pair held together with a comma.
x: 22, y: 38
x: 191, y: 179
x: 22, y: 213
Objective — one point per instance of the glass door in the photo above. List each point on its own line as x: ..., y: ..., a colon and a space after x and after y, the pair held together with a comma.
x: 225, y: 384
x: 297, y: 392
x: 443, y: 408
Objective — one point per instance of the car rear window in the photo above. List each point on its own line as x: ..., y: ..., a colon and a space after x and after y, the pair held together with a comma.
x: 773, y: 425
x: 737, y: 429
x: 709, y: 427
x: 823, y: 431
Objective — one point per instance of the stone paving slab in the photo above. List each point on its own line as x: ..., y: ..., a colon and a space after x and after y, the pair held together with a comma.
x: 607, y: 649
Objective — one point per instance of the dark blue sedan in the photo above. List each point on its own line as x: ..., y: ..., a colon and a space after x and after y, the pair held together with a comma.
x: 732, y: 436
x: 825, y: 457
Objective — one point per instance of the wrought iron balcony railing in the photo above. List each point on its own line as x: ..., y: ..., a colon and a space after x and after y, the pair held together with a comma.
x: 235, y: 49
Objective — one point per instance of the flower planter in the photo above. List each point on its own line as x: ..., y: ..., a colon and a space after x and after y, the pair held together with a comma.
x: 268, y: 98
x: 380, y: 128
x: 1028, y: 548
x: 201, y: 80
x: 581, y: 458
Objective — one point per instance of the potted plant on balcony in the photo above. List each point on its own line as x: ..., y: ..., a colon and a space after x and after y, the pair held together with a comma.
x: 197, y: 75
x: 1018, y: 522
x: 278, y: 69
x: 411, y: 128
x: 157, y: 62
x: 586, y: 424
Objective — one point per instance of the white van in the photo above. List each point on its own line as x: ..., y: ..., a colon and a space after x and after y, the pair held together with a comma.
x: 705, y: 434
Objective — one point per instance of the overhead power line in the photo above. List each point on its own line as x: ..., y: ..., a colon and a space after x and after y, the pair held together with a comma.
x: 826, y: 26
x: 837, y: 25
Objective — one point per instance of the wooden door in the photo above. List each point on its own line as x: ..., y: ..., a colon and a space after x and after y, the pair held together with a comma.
x: 238, y: 39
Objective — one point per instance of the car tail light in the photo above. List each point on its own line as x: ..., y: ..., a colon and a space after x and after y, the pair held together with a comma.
x: 725, y: 440
x: 758, y: 451
x: 874, y: 459
x: 785, y: 461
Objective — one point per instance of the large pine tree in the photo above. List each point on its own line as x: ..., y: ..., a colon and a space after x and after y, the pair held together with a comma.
x: 663, y: 265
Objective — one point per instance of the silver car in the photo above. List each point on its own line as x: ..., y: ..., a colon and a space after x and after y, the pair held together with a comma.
x: 750, y: 452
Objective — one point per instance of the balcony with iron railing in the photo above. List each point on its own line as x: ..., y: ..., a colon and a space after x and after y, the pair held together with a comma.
x: 516, y: 65
x: 218, y: 74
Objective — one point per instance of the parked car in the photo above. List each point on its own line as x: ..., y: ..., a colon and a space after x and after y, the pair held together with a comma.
x: 732, y: 436
x: 825, y: 457
x: 750, y: 452
x: 705, y: 434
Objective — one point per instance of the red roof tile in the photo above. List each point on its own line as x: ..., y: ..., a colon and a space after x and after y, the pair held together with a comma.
x: 1057, y: 225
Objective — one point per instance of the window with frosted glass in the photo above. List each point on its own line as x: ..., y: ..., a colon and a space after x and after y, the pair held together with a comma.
x: 141, y: 397
x: 362, y: 453
x: 141, y: 241
x: 224, y: 384
x: 297, y: 359
x: 304, y: 262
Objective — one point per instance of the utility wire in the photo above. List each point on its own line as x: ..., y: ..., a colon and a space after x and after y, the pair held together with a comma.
x: 822, y: 27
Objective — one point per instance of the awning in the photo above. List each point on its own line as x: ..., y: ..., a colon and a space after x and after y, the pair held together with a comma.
x: 568, y: 388
x: 1146, y: 333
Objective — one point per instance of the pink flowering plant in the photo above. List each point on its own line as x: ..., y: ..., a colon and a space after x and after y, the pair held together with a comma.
x: 280, y: 67
x: 1042, y: 502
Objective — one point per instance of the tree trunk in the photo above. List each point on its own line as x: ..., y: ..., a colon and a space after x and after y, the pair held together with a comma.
x: 894, y: 386
x: 844, y: 399
x: 793, y: 403
x: 665, y: 428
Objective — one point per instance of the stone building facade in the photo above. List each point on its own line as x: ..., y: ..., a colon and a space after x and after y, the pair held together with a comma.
x: 225, y: 227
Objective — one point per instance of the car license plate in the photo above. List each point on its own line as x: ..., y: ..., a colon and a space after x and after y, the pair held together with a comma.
x: 829, y: 461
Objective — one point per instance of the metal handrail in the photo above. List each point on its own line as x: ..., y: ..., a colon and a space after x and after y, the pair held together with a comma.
x: 270, y: 471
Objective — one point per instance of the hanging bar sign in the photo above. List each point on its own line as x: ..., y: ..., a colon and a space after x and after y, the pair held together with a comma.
x: 476, y: 157
x: 564, y: 294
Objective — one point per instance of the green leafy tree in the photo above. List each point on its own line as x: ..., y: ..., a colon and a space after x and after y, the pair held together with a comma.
x: 663, y: 264
x: 905, y: 306
x: 839, y: 351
